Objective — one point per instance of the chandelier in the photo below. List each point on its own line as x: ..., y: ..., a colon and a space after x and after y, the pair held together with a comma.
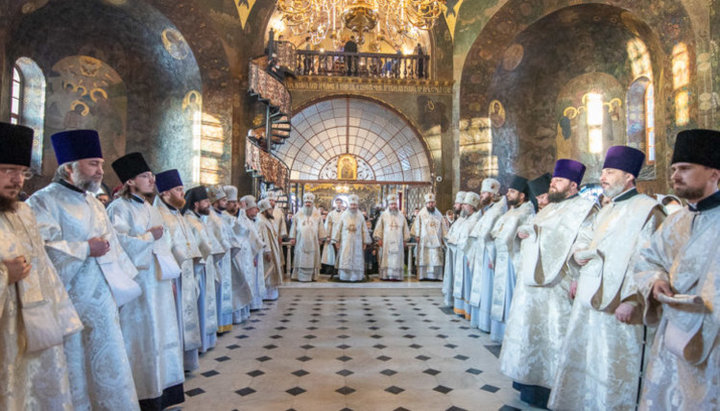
x: 392, y: 21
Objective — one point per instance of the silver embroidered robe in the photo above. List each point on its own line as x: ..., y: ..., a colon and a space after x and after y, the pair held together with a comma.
x: 429, y: 230
x: 272, y: 263
x: 241, y: 244
x: 308, y: 231
x: 481, y: 289
x: 219, y: 236
x: 253, y: 258
x: 541, y: 308
x: 507, y: 246
x: 600, y: 365
x: 450, y: 257
x: 683, y: 366
x: 100, y: 373
x: 39, y: 379
x: 149, y: 323
x: 185, y: 250
x: 351, y: 233
x: 393, y: 231
x: 462, y: 272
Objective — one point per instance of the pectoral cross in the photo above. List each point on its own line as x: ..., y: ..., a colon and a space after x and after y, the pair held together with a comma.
x: 433, y: 224
x: 394, y: 226
x: 352, y: 228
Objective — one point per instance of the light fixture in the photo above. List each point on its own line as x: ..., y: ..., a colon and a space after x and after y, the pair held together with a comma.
x: 392, y: 21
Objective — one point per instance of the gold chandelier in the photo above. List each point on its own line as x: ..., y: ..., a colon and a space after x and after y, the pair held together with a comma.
x: 393, y: 21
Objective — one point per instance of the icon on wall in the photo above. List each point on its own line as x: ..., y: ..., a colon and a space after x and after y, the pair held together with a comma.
x: 347, y: 167
x: 497, y: 114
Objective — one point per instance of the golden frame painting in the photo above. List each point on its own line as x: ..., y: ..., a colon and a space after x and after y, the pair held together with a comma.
x: 347, y: 167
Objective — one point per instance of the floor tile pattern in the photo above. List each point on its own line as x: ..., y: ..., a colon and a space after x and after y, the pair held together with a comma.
x: 318, y: 349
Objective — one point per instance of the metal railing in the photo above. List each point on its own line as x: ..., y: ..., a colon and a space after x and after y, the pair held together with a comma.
x: 373, y: 65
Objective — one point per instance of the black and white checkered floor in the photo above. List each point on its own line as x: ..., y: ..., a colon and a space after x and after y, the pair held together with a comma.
x: 337, y: 349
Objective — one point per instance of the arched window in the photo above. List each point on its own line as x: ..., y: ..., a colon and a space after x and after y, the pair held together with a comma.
x: 27, y: 105
x: 641, y: 117
x: 681, y: 80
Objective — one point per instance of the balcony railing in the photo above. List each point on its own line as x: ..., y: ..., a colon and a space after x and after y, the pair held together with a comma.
x: 375, y: 65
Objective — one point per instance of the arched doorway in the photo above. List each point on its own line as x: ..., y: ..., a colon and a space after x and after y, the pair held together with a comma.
x: 348, y: 144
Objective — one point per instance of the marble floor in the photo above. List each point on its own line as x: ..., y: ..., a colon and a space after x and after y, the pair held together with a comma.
x: 385, y: 347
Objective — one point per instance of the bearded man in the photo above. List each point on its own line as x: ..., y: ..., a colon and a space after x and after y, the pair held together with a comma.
x: 391, y: 233
x: 539, y: 315
x: 306, y: 234
x: 240, y: 256
x: 429, y: 228
x: 507, y: 246
x: 35, y: 311
x: 149, y: 323
x: 273, y: 275
x: 600, y: 362
x: 219, y: 234
x: 185, y: 249
x: 196, y: 210
x: 351, y: 236
x: 678, y: 274
x: 97, y: 273
x: 471, y: 206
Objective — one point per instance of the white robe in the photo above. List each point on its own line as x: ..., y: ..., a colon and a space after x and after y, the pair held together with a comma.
x: 507, y: 246
x: 462, y: 272
x: 429, y: 230
x: 538, y: 317
x: 149, y: 323
x: 450, y: 257
x: 100, y: 373
x: 219, y: 236
x: 242, y: 242
x: 599, y: 367
x: 683, y: 366
x: 205, y: 274
x: 253, y: 258
x: 351, y: 233
x: 481, y: 289
x: 307, y: 231
x: 328, y: 254
x: 38, y: 379
x: 393, y: 231
x: 185, y: 250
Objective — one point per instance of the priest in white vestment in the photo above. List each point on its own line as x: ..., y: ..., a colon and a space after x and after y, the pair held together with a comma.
x: 481, y: 288
x: 149, y: 323
x: 451, y: 244
x: 307, y: 232
x: 254, y: 256
x: 278, y: 221
x: 240, y: 255
x: 678, y: 275
x: 538, y: 189
x: 184, y: 247
x: 391, y: 233
x: 541, y: 308
x: 350, y: 236
x: 220, y: 237
x: 429, y: 230
x: 83, y: 247
x: 600, y: 363
x: 507, y: 258
x: 464, y: 252
x: 36, y: 313
x: 197, y: 206
x: 328, y: 255
x: 272, y: 263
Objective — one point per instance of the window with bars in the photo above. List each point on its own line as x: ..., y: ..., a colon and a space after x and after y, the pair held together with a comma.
x: 16, y: 97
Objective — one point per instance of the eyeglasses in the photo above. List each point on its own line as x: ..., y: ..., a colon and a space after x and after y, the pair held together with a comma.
x: 14, y: 172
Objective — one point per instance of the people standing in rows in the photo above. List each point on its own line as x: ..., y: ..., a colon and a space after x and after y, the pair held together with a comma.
x: 483, y: 262
x: 350, y: 237
x: 677, y: 276
x: 541, y: 308
x: 149, y: 323
x: 429, y: 230
x: 600, y: 361
x: 36, y: 314
x: 391, y: 234
x: 169, y: 201
x: 507, y: 248
x: 307, y: 233
x: 97, y: 273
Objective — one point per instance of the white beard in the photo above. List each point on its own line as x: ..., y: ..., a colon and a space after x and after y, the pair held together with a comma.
x: 352, y: 211
x: 463, y: 213
x: 394, y: 212
x: 307, y: 210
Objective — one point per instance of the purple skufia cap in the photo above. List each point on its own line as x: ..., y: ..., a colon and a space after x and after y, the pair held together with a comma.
x: 73, y: 145
x: 627, y: 159
x: 167, y: 180
x: 570, y: 169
